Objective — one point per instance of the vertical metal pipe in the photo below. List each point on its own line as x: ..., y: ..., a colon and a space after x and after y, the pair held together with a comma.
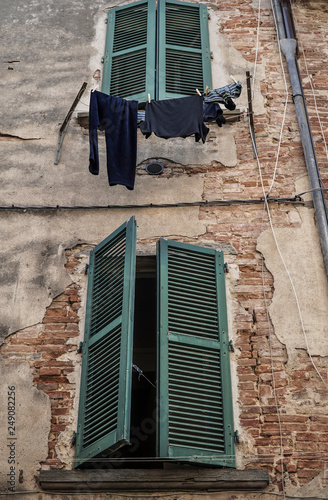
x: 279, y: 20
x: 289, y: 49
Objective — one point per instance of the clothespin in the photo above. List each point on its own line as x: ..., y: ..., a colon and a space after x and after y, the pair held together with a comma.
x: 233, y: 79
x: 206, y: 90
x: 149, y: 98
x: 198, y: 92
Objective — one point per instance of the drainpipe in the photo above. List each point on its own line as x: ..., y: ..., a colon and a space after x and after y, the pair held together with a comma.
x: 288, y: 46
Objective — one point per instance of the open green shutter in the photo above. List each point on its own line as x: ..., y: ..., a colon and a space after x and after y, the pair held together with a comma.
x: 129, y: 61
x: 105, y: 395
x: 184, y: 58
x: 195, y: 418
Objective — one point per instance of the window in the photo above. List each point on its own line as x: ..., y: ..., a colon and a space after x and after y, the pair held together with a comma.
x: 193, y: 389
x: 161, y: 51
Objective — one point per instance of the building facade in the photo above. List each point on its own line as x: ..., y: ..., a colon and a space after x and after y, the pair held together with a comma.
x: 243, y: 200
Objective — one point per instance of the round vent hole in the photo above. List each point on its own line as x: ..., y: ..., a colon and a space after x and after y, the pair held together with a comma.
x: 154, y: 168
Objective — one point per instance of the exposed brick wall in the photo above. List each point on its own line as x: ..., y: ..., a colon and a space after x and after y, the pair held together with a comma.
x: 42, y: 347
x: 301, y: 398
x: 311, y: 20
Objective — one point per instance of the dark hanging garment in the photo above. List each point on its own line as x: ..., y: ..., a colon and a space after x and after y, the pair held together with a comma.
x: 213, y: 112
x: 118, y: 118
x: 224, y: 95
x: 175, y: 118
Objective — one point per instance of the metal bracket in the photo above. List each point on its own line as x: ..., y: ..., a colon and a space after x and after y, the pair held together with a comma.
x: 225, y: 267
x: 250, y: 113
x: 74, y: 438
x: 231, y: 347
x: 141, y: 374
x: 63, y: 128
x: 86, y: 270
x: 80, y: 348
x: 236, y: 436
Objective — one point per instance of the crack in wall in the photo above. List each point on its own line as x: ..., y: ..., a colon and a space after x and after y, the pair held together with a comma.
x: 10, y: 137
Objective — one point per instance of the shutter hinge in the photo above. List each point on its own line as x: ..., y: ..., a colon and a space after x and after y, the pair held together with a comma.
x: 86, y: 270
x: 211, y: 55
x: 102, y: 60
x: 231, y: 347
x: 208, y: 15
x: 106, y: 21
x: 74, y: 438
x: 236, y: 436
x: 225, y: 267
x: 80, y: 348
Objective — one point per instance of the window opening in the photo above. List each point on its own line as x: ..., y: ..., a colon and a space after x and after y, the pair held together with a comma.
x: 143, y: 400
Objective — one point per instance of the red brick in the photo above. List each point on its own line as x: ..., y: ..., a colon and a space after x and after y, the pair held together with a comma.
x: 50, y: 371
x: 306, y: 436
x: 307, y: 473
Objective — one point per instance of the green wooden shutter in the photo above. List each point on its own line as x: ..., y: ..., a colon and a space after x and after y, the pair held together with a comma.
x: 105, y: 395
x: 129, y: 61
x: 184, y: 58
x: 195, y: 418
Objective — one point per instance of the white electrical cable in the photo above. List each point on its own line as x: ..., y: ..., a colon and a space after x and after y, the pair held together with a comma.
x: 285, y: 106
x: 311, y: 84
x: 257, y: 47
x: 276, y: 241
x: 289, y: 276
x: 262, y: 274
x: 266, y: 206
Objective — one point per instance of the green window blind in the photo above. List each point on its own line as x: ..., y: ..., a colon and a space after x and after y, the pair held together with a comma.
x: 129, y: 61
x: 183, y: 50
x: 184, y: 58
x: 105, y: 395
x: 195, y: 419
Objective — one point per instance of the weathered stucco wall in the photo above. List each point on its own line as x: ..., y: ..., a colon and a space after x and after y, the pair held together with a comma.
x: 280, y: 403
x: 33, y: 266
x: 299, y: 305
x: 25, y: 424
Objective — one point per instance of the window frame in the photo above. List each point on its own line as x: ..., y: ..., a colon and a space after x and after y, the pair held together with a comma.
x: 227, y: 458
x: 155, y: 66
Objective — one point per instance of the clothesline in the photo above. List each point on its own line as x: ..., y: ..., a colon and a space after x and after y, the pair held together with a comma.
x: 179, y: 117
x: 222, y: 95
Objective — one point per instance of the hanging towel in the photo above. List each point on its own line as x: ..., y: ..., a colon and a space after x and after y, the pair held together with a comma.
x: 175, y: 118
x: 118, y: 118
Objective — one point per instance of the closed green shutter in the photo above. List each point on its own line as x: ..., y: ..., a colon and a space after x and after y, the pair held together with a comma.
x: 184, y: 58
x: 105, y: 395
x: 195, y: 418
x: 129, y: 61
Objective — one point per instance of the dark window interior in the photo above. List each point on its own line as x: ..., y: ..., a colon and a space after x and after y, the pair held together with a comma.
x: 143, y: 404
x: 142, y: 449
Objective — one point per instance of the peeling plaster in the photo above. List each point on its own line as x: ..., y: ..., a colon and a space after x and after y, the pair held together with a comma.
x: 303, y: 242
x: 33, y: 260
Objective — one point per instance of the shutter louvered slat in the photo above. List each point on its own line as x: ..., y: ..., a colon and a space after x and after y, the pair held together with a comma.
x: 129, y: 62
x: 195, y: 407
x: 184, y: 56
x: 92, y: 432
x: 190, y: 319
x: 105, y: 395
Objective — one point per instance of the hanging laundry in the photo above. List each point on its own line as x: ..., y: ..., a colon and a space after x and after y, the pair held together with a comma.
x: 180, y: 117
x: 224, y: 95
x: 118, y: 118
x: 141, y: 116
x: 213, y: 112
